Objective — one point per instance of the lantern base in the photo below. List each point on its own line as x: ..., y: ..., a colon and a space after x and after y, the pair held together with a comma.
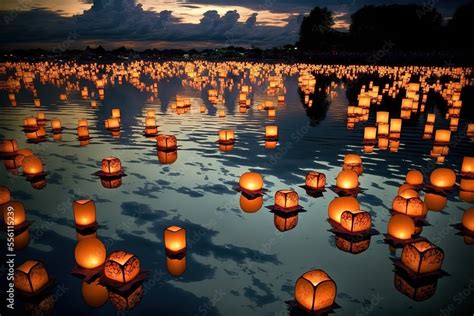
x: 250, y: 194
x: 115, y: 129
x: 346, y: 192
x: 179, y: 253
x: 295, y: 209
x: 399, y: 243
x: 369, y: 142
x: 467, y: 175
x: 167, y: 149
x: 6, y: 156
x: 397, y: 262
x: 150, y: 134
x: 87, y: 274
x: 226, y: 142
x: 123, y: 287
x: 295, y: 309
x: 18, y: 228
x: 38, y: 292
x: 338, y: 229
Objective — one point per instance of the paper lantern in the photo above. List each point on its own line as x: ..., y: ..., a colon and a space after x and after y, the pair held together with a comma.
x: 32, y: 165
x: 40, y: 116
x: 251, y: 182
x: 430, y: 118
x: 435, y: 202
x: 250, y: 205
x: 467, y: 165
x: 364, y: 101
x: 411, y: 206
x: 167, y: 157
x: 271, y: 113
x: 315, y: 290
x: 408, y: 193
x: 226, y: 136
x: 341, y: 204
x: 383, y: 129
x: 401, y: 226
x: 31, y: 277
x: 5, y: 195
x: 112, y: 123
x: 111, y: 165
x: 56, y: 124
x: 353, y: 162
x: 407, y: 103
x: 414, y: 177
x: 175, y: 239
x: 127, y: 300
x: 271, y: 132
x: 13, y: 213
x: 443, y: 178
x: 151, y: 113
x: 8, y: 146
x: 442, y: 136
x: 270, y: 144
x: 315, y: 180
x: 150, y: 122
x: 422, y: 257
x: 122, y: 267
x: 93, y: 104
x: 166, y: 142
x: 428, y: 130
x: 30, y: 122
x: 382, y: 117
x: 370, y: 133
x: 354, y: 246
x: 466, y: 184
x: 116, y: 113
x: 395, y: 125
x: 94, y: 294
x: 83, y: 132
x: 285, y: 223
x: 347, y: 179
x: 82, y: 122
x: 84, y: 212
x: 355, y: 221
x: 286, y: 199
x: 89, y: 253
x: 176, y: 265
x: 468, y: 219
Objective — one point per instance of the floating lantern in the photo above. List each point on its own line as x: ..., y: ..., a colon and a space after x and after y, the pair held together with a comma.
x: 430, y: 118
x: 286, y: 199
x: 408, y: 193
x: 167, y: 157
x: 401, y: 226
x: 405, y: 114
x: 30, y: 122
x: 347, y: 179
x: 31, y: 277
x: 364, y: 101
x: 382, y: 117
x: 271, y: 113
x: 422, y: 257
x: 82, y: 122
x: 251, y: 182
x: 127, y: 300
x: 84, y: 212
x: 150, y: 122
x: 442, y: 136
x: 175, y: 240
x: 407, y: 103
x: 226, y: 136
x: 116, y: 113
x: 112, y: 123
x: 435, y: 202
x: 370, y: 133
x: 414, y: 177
x: 122, y: 267
x: 89, y: 253
x: 443, y: 178
x: 94, y: 294
x: 428, y: 129
x: 56, y: 125
x: 202, y: 109
x: 83, y: 132
x: 356, y: 221
x: 341, y: 204
x: 410, y: 206
x: 63, y: 97
x: 468, y: 219
x: 315, y: 290
x: 353, y: 162
x: 111, y: 166
x: 271, y: 132
x: 176, y: 265
x: 8, y: 146
x: 467, y: 166
x: 395, y: 126
x: 166, y: 142
x: 466, y: 196
x: 249, y: 205
x: 270, y: 144
x: 14, y: 210
x: 93, y: 104
x: 285, y: 223
x: 40, y: 116
x: 32, y: 165
x: 466, y: 184
x: 37, y: 103
x: 383, y: 143
x: 383, y: 129
x: 5, y: 195
x: 315, y: 180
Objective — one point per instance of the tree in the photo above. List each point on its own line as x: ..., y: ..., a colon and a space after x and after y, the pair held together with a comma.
x: 461, y: 28
x: 316, y: 29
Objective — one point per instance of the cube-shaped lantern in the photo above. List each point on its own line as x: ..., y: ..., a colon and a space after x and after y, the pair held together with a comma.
x: 226, y: 136
x: 410, y: 206
x: 166, y: 142
x: 347, y: 179
x: 175, y: 239
x: 31, y: 277
x: 286, y: 199
x: 422, y: 257
x: 271, y: 132
x: 8, y: 146
x: 13, y: 213
x: 315, y: 180
x: 122, y: 267
x: 315, y: 290
x: 443, y: 178
x: 111, y: 166
x: 356, y: 221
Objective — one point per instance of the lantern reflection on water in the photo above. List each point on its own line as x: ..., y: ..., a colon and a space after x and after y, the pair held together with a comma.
x: 422, y: 257
x: 128, y: 300
x: 89, y: 253
x: 435, y: 202
x: 468, y: 219
x: 443, y: 178
x: 354, y: 246
x: 251, y: 182
x: 284, y: 222
x: 56, y: 125
x: 347, y: 179
x: 176, y: 265
x: 315, y: 290
x: 271, y: 132
x: 111, y: 183
x: 175, y: 240
x: 5, y: 195
x: 31, y: 277
x: 122, y: 267
x: 167, y: 157
x: 166, y: 142
x: 250, y: 205
x: 94, y: 294
x: 340, y: 204
x: 414, y: 177
x: 84, y: 212
x: 467, y: 166
x: 418, y: 290
x: 8, y: 146
x: 355, y: 221
x: 14, y: 213
x: 22, y: 239
x: 401, y: 226
x: 315, y: 180
x: 442, y: 136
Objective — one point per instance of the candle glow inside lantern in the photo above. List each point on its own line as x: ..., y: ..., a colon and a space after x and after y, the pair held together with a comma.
x: 466, y: 184
x: 315, y: 290
x: 8, y: 146
x: 112, y: 123
x: 30, y: 122
x: 382, y: 117
x: 251, y: 182
x: 422, y: 257
x: 286, y: 200
x: 435, y: 202
x: 347, y: 179
x: 226, y: 136
x: 430, y: 118
x: 353, y: 162
x: 31, y: 277
x: 315, y: 180
x: 82, y: 122
x: 83, y: 132
x: 166, y: 142
x: 395, y: 126
x: 271, y: 132
x: 410, y: 206
x: 150, y: 122
x: 56, y: 125
x: 5, y: 195
x: 356, y: 221
x: 341, y: 204
x: 383, y: 129
x: 468, y: 219
x: 467, y: 166
x: 14, y: 213
x: 90, y: 253
x: 116, y: 113
x: 414, y: 177
x: 249, y: 205
x: 122, y: 267
x: 443, y: 178
x: 175, y: 240
x: 176, y: 265
x: 442, y: 136
x: 408, y: 193
x: 370, y: 133
x: 32, y: 165
x: 84, y: 212
x: 111, y: 166
x: 401, y: 226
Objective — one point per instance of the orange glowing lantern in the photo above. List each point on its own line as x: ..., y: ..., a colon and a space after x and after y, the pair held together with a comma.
x: 315, y: 290
x: 249, y: 205
x: 408, y: 193
x: 251, y: 182
x: 443, y: 178
x: 116, y: 113
x: 466, y: 184
x: 90, y: 253
x: 31, y: 277
x: 271, y: 132
x: 30, y: 122
x: 56, y: 124
x: 383, y: 129
x: 395, y: 126
x: 430, y: 118
x: 347, y: 179
x: 122, y: 267
x: 382, y: 117
x: 315, y: 180
x: 111, y: 166
x: 356, y: 221
x: 167, y: 157
x: 442, y: 136
x: 84, y: 212
x: 285, y: 222
x: 166, y: 142
x: 175, y: 240
x: 8, y: 146
x: 94, y: 294
x: 83, y: 132
x: 466, y: 196
x: 226, y: 136
x: 271, y: 113
x: 150, y: 122
x: 221, y: 113
x: 32, y: 165
x: 401, y: 226
x: 5, y: 195
x: 176, y: 265
x: 286, y: 199
x: 341, y: 204
x: 353, y: 162
x: 435, y: 202
x: 467, y: 166
x: 82, y: 122
x: 370, y: 133
x: 270, y: 144
x: 422, y: 257
x: 407, y: 103
x: 410, y: 206
x: 414, y: 177
x: 468, y: 219
x: 14, y: 213
x: 112, y: 123
x: 40, y: 116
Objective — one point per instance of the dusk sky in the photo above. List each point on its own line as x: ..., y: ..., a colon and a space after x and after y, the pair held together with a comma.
x: 189, y: 24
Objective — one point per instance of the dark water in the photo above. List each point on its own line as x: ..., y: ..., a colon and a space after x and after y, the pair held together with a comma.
x: 237, y: 263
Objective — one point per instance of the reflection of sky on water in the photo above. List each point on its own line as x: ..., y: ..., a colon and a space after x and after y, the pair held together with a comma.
x: 239, y: 258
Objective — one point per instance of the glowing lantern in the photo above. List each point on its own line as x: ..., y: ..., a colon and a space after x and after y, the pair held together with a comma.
x: 414, y: 177
x: 8, y: 146
x: 22, y: 240
x: 84, y: 212
x: 166, y: 142
x: 341, y: 204
x: 466, y: 196
x: 395, y: 126
x: 122, y: 267
x: 315, y: 180
x: 270, y: 144
x: 422, y: 257
x: 409, y: 206
x: 435, y: 202
x: 176, y: 265
x: 251, y: 182
x: 112, y: 123
x: 250, y: 205
x: 89, y: 253
x: 370, y: 133
x: 443, y: 178
x: 93, y: 104
x: 31, y: 277
x: 226, y: 136
x: 14, y: 213
x: 150, y: 122
x: 32, y: 165
x: 428, y: 129
x: 221, y: 113
x: 315, y: 290
x: 401, y: 226
x: 40, y: 116
x: 284, y: 222
x: 116, y: 113
x: 353, y: 162
x: 63, y: 97
x: 111, y: 166
x: 271, y: 113
x: 347, y: 179
x: 408, y: 193
x: 468, y: 219
x: 383, y: 129
x: 407, y: 103
x: 271, y: 132
x: 467, y: 166
x: 286, y: 199
x: 167, y: 157
x: 382, y: 117
x: 56, y: 125
x: 175, y: 240
x: 364, y: 101
x: 83, y: 132
x: 466, y: 184
x: 5, y: 195
x: 82, y: 122
x: 94, y: 294
x: 442, y: 136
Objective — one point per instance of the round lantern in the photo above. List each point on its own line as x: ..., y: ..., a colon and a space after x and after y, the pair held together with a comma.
x: 94, y: 294
x: 5, y: 195
x: 31, y: 277
x: 347, y: 179
x: 176, y: 265
x: 251, y: 182
x: 13, y: 213
x: 468, y: 219
x: 404, y: 187
x: 175, y: 240
x: 352, y: 160
x: 401, y: 226
x: 466, y: 196
x: 84, y: 212
x: 315, y: 290
x: 341, y: 204
x: 166, y: 142
x: 250, y: 205
x: 8, y: 146
x: 111, y: 166
x: 90, y: 253
x: 315, y: 180
x: 408, y: 193
x: 32, y: 165
x: 414, y: 177
x: 443, y: 178
x: 422, y: 257
x: 435, y: 202
x: 122, y: 267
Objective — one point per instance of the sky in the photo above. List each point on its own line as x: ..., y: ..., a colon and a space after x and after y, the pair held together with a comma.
x: 186, y: 24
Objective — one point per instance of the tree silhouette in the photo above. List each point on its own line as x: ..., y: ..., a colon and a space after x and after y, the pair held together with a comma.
x: 316, y: 29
